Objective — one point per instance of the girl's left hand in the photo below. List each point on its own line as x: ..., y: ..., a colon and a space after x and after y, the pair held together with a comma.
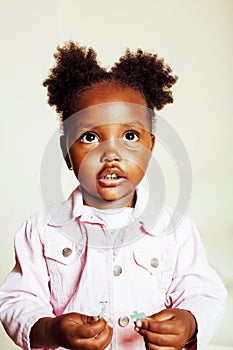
x: 169, y: 329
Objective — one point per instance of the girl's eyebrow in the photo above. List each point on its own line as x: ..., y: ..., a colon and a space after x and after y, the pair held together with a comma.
x: 136, y: 123
x: 91, y: 126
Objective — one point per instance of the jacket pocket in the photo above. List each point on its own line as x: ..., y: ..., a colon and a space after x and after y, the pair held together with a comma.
x: 60, y: 249
x: 63, y: 258
x: 157, y: 262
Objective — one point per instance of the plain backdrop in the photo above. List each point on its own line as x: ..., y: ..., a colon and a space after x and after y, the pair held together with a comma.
x: 194, y: 37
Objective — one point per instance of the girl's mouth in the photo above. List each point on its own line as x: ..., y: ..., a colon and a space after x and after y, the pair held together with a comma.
x: 110, y: 177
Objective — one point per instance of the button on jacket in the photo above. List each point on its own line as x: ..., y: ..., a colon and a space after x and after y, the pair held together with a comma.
x: 68, y: 261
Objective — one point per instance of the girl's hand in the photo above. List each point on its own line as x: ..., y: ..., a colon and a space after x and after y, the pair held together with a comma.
x: 169, y: 329
x: 78, y: 332
x: 72, y: 331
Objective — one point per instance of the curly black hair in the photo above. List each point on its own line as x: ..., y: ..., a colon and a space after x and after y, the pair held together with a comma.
x: 77, y: 69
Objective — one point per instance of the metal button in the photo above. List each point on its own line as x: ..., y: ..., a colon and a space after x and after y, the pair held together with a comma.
x: 117, y: 270
x: 154, y: 262
x: 123, y: 321
x: 66, y: 252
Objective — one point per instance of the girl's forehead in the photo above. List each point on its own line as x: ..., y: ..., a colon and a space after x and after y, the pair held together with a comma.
x: 106, y: 92
x: 107, y: 114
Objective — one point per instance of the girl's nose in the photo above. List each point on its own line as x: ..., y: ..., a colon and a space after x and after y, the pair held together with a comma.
x: 110, y: 153
x: 110, y: 157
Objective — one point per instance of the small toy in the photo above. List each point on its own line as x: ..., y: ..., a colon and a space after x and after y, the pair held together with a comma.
x: 102, y: 313
x: 137, y: 316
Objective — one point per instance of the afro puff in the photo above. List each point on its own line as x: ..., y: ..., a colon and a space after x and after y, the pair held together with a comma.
x: 77, y: 69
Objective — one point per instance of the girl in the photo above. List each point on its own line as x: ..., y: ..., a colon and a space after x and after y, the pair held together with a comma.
x: 99, y: 270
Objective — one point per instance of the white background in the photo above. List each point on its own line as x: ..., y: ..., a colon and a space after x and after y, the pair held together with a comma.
x: 194, y: 37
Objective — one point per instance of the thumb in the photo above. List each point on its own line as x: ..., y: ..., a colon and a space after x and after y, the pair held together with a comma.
x: 163, y: 315
x: 90, y: 330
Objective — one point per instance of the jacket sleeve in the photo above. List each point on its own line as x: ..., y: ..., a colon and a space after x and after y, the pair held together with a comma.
x: 196, y: 286
x: 24, y: 295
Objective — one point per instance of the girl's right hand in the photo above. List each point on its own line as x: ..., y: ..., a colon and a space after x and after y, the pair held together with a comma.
x: 72, y: 331
x: 80, y: 332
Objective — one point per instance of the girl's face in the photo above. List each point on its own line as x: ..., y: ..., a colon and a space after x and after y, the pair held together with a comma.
x: 109, y: 144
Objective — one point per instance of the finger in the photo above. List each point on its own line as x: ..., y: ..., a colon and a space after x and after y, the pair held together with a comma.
x: 157, y: 347
x: 159, y: 339
x: 100, y: 341
x: 91, y: 319
x: 163, y: 315
x: 164, y: 327
x: 90, y: 330
x: 88, y: 319
x: 108, y: 337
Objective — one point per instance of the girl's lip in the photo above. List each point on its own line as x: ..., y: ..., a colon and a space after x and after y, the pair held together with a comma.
x: 110, y: 171
x: 111, y: 177
x: 111, y: 182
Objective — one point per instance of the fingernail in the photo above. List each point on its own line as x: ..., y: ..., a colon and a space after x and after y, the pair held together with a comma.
x: 139, y: 323
x: 110, y: 324
x: 91, y: 319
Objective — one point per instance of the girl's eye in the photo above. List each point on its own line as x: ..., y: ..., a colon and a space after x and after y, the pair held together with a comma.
x: 89, y: 137
x: 130, y: 136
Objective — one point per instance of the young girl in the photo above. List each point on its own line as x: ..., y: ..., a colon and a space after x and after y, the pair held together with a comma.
x: 99, y: 271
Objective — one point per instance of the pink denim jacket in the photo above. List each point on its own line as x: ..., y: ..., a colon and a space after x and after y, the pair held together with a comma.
x: 67, y: 261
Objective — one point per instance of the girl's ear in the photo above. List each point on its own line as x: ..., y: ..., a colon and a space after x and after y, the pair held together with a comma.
x: 153, y: 141
x: 64, y: 151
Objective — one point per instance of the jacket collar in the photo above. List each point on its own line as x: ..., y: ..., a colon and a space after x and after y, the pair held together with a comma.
x: 150, y: 216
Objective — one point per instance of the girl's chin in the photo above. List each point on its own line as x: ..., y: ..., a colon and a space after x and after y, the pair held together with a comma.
x: 110, y: 197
